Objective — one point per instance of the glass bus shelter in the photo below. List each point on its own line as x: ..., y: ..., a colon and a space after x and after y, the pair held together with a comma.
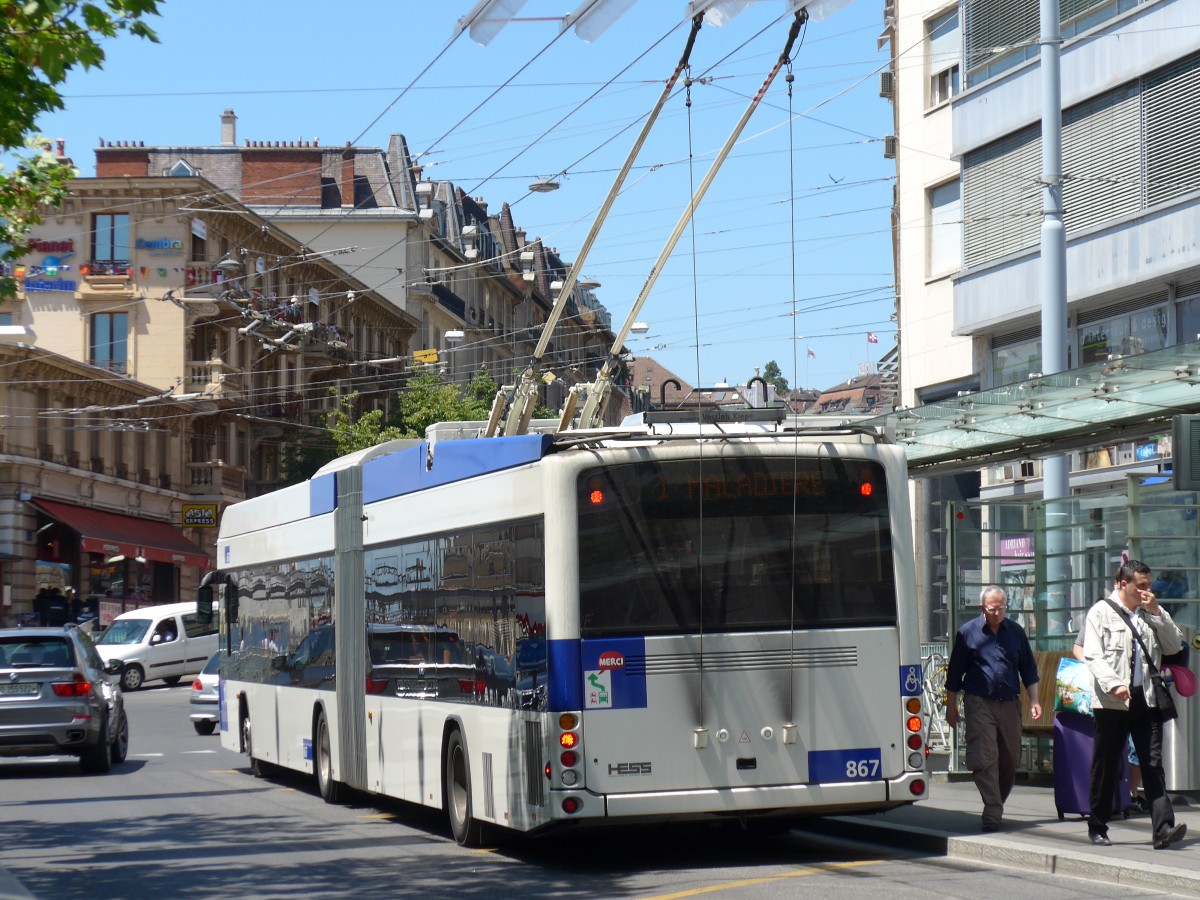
x: 1054, y: 561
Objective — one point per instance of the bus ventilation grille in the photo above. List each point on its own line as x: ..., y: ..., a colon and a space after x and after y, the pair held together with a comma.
x: 489, y: 788
x: 534, y: 764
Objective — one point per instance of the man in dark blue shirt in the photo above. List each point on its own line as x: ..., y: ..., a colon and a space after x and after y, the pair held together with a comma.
x: 990, y: 661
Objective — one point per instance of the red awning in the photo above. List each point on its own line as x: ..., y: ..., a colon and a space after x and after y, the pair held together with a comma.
x: 116, y: 535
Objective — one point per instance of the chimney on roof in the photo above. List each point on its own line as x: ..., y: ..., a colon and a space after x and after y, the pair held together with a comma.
x: 228, y: 128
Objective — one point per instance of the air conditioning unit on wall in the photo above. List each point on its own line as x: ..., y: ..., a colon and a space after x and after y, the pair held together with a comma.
x: 887, y: 84
x: 889, y: 147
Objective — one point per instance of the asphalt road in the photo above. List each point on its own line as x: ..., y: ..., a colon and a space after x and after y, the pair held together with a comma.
x: 184, y: 818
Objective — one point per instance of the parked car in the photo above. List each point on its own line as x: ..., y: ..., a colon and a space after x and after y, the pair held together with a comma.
x: 56, y: 698
x: 167, y: 642
x: 206, y: 711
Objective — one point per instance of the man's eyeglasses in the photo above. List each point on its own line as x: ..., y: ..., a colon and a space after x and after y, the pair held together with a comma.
x: 994, y: 609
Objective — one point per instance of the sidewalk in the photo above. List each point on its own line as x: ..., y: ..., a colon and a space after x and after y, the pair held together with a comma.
x: 1033, y: 837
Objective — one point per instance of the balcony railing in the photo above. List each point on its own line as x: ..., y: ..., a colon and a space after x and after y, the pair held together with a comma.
x: 213, y: 477
x: 101, y: 267
x: 450, y: 300
x: 116, y: 366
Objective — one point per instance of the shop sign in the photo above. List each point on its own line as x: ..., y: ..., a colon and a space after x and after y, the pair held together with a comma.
x: 199, y: 515
x: 160, y: 246
x: 45, y: 277
x: 52, y: 246
x: 47, y: 285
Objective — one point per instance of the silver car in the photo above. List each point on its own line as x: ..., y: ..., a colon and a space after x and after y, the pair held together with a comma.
x: 205, y: 697
x: 56, y: 698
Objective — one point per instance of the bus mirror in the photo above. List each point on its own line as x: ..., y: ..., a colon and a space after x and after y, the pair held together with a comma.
x: 204, y: 605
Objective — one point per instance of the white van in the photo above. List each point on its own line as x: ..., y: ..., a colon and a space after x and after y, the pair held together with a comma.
x: 166, y: 642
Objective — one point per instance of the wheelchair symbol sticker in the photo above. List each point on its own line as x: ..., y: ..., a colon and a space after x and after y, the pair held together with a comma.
x: 910, y: 681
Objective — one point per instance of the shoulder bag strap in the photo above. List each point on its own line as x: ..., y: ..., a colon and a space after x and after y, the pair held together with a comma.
x: 1137, y: 637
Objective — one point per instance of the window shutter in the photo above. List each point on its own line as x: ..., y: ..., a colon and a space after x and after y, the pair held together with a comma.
x: 1001, y: 197
x: 945, y: 228
x: 945, y: 42
x: 1171, y: 101
x: 1102, y: 158
x: 993, y: 26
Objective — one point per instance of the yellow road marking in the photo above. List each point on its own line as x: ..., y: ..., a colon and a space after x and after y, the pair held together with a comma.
x: 799, y: 873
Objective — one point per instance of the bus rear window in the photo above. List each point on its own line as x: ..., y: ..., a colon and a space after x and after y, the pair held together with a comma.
x: 734, y: 544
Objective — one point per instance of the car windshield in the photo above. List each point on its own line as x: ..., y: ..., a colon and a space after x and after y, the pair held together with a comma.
x: 125, y: 631
x: 35, y: 653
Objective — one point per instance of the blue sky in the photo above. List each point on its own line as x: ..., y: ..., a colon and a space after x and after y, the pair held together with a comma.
x: 769, y: 237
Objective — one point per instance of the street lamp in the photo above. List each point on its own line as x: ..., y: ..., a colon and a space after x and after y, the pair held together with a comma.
x: 544, y: 186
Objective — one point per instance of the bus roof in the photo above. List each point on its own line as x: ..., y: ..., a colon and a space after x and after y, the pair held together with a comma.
x: 403, y: 467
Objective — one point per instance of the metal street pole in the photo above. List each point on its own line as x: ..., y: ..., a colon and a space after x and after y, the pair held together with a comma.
x: 1055, y: 480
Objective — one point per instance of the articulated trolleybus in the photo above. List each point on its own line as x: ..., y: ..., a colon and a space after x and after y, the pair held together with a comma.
x: 660, y: 621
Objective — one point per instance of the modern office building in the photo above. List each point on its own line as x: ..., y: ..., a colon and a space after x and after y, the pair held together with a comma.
x: 966, y: 85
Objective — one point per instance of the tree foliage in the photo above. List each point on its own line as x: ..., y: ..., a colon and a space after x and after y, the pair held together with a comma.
x: 41, y: 42
x: 773, y: 375
x: 425, y: 401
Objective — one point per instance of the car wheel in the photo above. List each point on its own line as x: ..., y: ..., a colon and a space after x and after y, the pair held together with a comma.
x: 173, y: 680
x: 331, y: 791
x: 204, y: 727
x: 132, y: 677
x: 456, y: 776
x: 95, y: 759
x: 119, y: 748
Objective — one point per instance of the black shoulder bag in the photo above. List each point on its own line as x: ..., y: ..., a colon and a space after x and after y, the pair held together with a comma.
x: 1163, y: 700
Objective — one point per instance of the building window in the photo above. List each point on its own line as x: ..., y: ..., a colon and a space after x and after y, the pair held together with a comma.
x: 109, y: 347
x: 1016, y: 362
x: 6, y: 318
x: 1002, y: 35
x: 945, y: 229
x: 943, y: 39
x: 1128, y: 334
x: 110, y: 243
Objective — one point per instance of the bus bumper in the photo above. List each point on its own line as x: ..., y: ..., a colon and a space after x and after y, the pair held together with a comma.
x: 794, y: 799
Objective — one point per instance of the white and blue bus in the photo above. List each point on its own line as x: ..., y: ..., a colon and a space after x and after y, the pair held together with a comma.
x: 659, y: 621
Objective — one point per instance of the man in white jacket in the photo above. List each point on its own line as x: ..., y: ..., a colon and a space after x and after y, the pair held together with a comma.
x: 1123, y: 699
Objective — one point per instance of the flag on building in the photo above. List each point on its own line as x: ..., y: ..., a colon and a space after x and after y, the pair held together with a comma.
x: 872, y: 337
x: 812, y: 354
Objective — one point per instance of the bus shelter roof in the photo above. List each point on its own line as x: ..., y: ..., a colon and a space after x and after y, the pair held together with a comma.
x: 1123, y: 398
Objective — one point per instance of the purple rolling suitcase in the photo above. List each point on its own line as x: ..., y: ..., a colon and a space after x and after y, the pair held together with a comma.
x: 1073, y: 766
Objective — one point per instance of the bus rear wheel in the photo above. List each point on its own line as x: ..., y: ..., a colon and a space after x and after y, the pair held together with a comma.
x: 257, y: 768
x: 456, y: 775
x: 331, y: 791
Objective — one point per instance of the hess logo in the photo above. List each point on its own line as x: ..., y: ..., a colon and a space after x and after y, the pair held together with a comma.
x: 629, y: 768
x: 611, y: 659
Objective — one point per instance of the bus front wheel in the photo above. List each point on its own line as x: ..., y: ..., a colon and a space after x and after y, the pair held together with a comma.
x: 456, y: 775
x: 331, y: 791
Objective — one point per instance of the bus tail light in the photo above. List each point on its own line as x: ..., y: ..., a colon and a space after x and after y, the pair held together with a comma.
x: 916, y: 759
x: 569, y: 742
x: 571, y: 805
x: 914, y: 724
x: 914, y: 742
x: 916, y: 787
